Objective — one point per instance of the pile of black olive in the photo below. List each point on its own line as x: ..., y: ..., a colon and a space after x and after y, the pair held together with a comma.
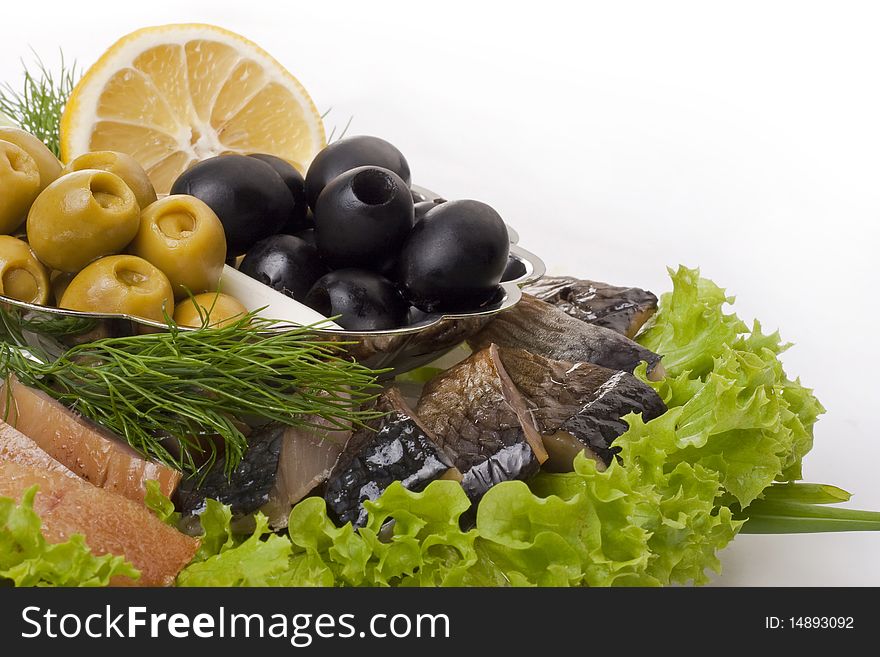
x: 349, y: 240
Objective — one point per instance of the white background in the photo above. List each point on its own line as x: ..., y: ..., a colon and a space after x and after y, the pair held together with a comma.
x: 618, y: 138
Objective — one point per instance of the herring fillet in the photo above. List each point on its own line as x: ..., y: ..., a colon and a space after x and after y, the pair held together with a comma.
x: 18, y: 448
x: 544, y: 329
x: 482, y: 421
x: 621, y: 309
x: 579, y: 405
x: 110, y: 523
x: 395, y: 447
x: 247, y: 487
x: 88, y: 450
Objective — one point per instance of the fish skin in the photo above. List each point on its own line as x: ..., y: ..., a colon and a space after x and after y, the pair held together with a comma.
x: 18, y: 448
x: 544, y: 329
x: 250, y: 484
x: 621, y: 309
x: 515, y: 461
x: 88, y: 450
x: 110, y: 523
x: 481, y: 420
x: 585, y: 400
x: 396, y: 447
x: 599, y: 422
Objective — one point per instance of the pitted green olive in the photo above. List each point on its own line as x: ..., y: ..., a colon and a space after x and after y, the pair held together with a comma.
x: 218, y: 309
x: 19, y: 185
x: 22, y: 276
x: 122, y: 284
x: 183, y: 237
x: 124, y: 166
x: 81, y: 217
x: 47, y: 164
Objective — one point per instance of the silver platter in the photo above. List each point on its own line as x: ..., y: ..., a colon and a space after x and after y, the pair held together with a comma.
x: 397, y: 350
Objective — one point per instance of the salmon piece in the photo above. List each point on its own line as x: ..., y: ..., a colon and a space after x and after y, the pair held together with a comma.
x: 90, y: 451
x: 110, y: 523
x: 18, y: 448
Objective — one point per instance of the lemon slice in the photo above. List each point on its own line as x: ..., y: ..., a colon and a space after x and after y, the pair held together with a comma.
x: 173, y: 95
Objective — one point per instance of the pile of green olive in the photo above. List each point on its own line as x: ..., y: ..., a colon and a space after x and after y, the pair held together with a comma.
x: 92, y: 236
x: 348, y: 239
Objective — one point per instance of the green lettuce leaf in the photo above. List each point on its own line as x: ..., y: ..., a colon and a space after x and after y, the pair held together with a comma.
x: 742, y: 417
x: 160, y: 505
x: 423, y: 546
x: 217, y: 534
x: 261, y: 559
x: 27, y: 559
x: 648, y: 522
x: 691, y: 327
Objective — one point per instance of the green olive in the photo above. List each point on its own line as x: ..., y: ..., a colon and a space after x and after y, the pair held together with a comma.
x: 19, y: 186
x: 220, y: 310
x: 183, y: 237
x: 123, y: 284
x: 81, y: 217
x: 22, y: 276
x: 47, y: 163
x: 124, y: 166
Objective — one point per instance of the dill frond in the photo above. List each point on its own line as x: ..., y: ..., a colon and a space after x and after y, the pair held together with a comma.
x: 38, y: 106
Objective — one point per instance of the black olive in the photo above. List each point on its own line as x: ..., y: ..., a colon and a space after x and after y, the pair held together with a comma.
x: 364, y: 300
x: 514, y: 269
x: 285, y: 263
x: 454, y: 257
x: 350, y: 153
x: 249, y: 197
x: 301, y: 217
x: 308, y: 235
x: 363, y: 218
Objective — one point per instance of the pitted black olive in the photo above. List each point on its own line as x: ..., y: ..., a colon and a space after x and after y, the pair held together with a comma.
x: 285, y: 263
x: 301, y: 218
x: 454, y: 257
x: 350, y: 153
x: 363, y: 218
x: 247, y: 194
x: 363, y: 300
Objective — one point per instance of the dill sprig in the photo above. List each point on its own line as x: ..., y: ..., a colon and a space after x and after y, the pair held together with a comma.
x: 38, y: 107
x: 330, y: 139
x: 181, y: 385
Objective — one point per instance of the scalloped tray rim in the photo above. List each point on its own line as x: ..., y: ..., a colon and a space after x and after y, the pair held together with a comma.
x: 535, y: 269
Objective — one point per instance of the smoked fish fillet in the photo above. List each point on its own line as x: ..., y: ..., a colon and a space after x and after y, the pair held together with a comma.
x: 110, y: 523
x: 90, y: 451
x: 18, y: 448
